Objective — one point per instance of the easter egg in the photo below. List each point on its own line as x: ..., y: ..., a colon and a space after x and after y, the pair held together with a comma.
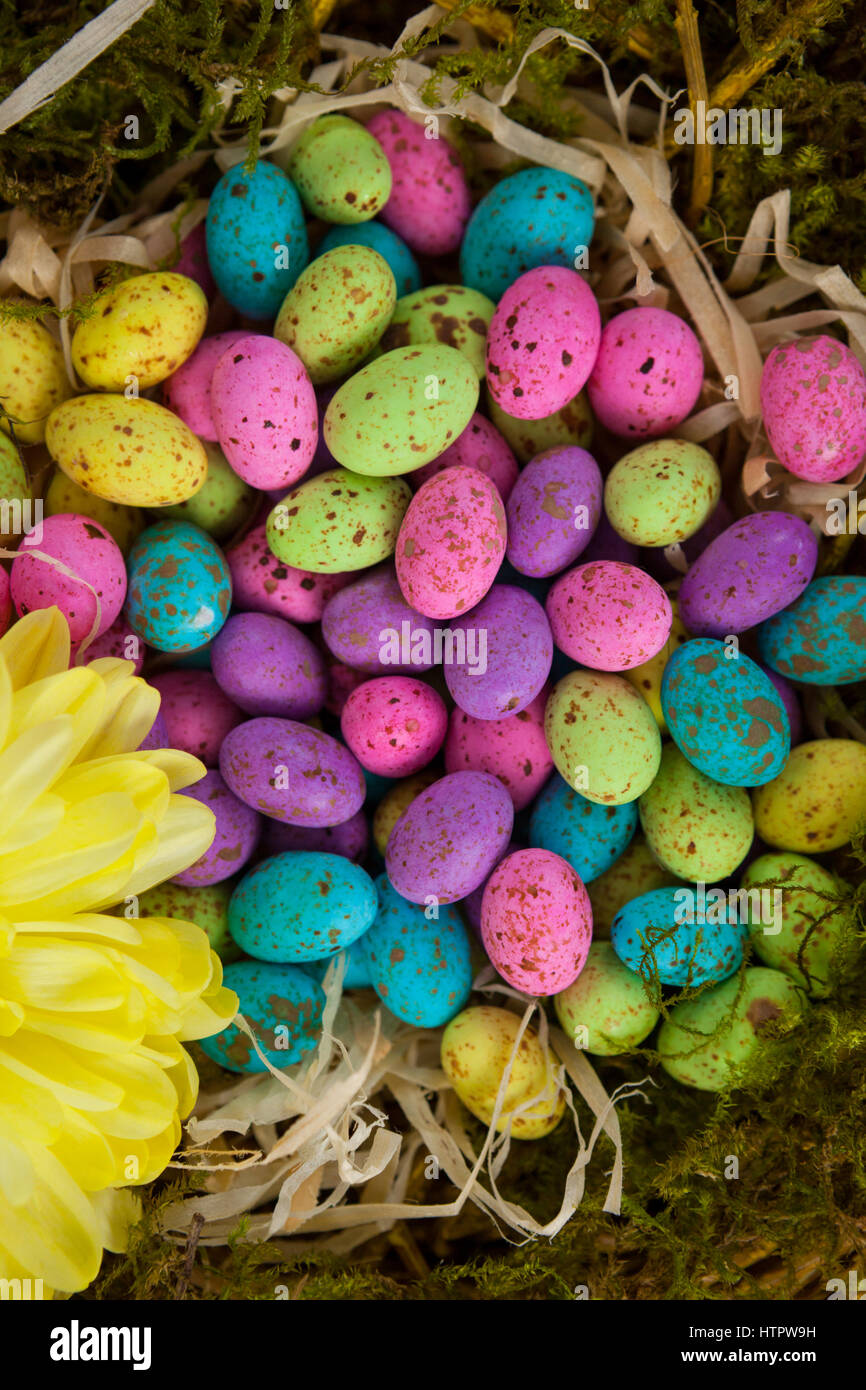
x: 570, y: 426
x: 197, y: 712
x: 536, y: 922
x: 356, y: 971
x: 553, y: 510
x: 647, y: 375
x: 397, y: 799
x: 678, y: 936
x: 758, y: 566
x: 292, y: 772
x: 336, y: 311
x: 123, y: 644
x: 537, y: 217
x: 256, y: 238
x: 480, y: 446
x: 450, y: 314
x: 371, y: 627
x: 790, y: 700
x: 222, y: 504
x: 509, y: 638
x: 206, y: 906
x: 156, y: 738
x: 33, y: 379
x: 478, y: 1046
x: 605, y: 1010
x: 447, y: 840
x: 123, y: 524
x: 338, y: 521
x: 14, y: 484
x: 542, y: 342
x: 698, y: 829
x: 589, y: 836
x: 636, y: 871
x: 268, y: 666
x: 130, y: 451
x: 429, y: 202
x: 661, y: 492
x: 671, y: 568
x: 263, y: 584
x: 821, y: 638
x: 192, y: 260
x: 283, y: 1006
x: 180, y: 588
x: 648, y: 675
x: 513, y: 748
x: 93, y: 585
x: 350, y: 838
x: 609, y: 616
x: 813, y: 399
x: 142, y: 329
x: 420, y: 967
x: 451, y: 543
x: 799, y: 926
x: 340, y: 171
x: 377, y: 237
x: 602, y: 736
x: 394, y: 725
x: 237, y: 833
x: 818, y: 801
x: 187, y: 390
x: 301, y: 906
x: 264, y: 410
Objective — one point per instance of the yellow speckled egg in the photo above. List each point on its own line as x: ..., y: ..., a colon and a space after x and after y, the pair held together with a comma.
x: 476, y: 1047
x: 125, y: 524
x: 637, y: 871
x: 396, y: 800
x: 32, y: 379
x: 146, y: 327
x: 647, y: 678
x: 818, y: 800
x: 697, y: 828
x: 130, y: 451
x: 602, y: 737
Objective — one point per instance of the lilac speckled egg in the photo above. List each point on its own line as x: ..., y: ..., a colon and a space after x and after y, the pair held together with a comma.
x: 197, y: 712
x: 187, y: 391
x: 513, y: 749
x: 96, y: 561
x: 451, y: 543
x: 265, y: 413
x: 536, y: 922
x: 237, y: 833
x: 813, y: 396
x: 542, y: 342
x: 193, y: 260
x: 479, y: 446
x: 553, y: 511
x: 648, y: 373
x: 791, y: 701
x: 292, y: 772
x: 608, y: 616
x: 752, y: 570
x: 370, y: 627
x: 429, y: 204
x: 157, y: 735
x: 508, y: 653
x: 448, y: 840
x: 263, y: 584
x: 351, y: 838
x: 118, y: 641
x: 268, y: 666
x: 394, y: 725
x: 606, y: 544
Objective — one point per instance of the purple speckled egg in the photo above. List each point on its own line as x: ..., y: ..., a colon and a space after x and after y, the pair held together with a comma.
x: 752, y: 570
x: 237, y: 834
x: 355, y: 619
x: 791, y: 701
x: 193, y: 260
x: 542, y: 342
x: 187, y: 391
x: 608, y: 616
x: 813, y: 397
x: 449, y: 839
x: 157, y: 737
x: 606, y: 544
x: 394, y: 725
x: 429, y: 204
x: 451, y: 543
x: 514, y: 749
x: 268, y: 666
x: 479, y: 446
x: 197, y: 712
x: 508, y: 654
x: 265, y: 412
x: 351, y: 839
x: 536, y: 922
x: 263, y: 584
x: 118, y: 641
x: 648, y: 373
x: 292, y: 772
x: 98, y: 569
x: 553, y: 511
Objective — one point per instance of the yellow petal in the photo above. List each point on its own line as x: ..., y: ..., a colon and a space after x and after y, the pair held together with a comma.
x: 185, y: 832
x: 36, y: 646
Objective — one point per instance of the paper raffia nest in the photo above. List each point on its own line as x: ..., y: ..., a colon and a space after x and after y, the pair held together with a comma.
x: 297, y: 1178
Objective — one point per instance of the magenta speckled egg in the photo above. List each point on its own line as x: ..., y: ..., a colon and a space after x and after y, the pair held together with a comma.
x: 95, y: 559
x: 553, y: 511
x: 609, y: 616
x: 187, y: 391
x: 505, y: 657
x: 268, y: 666
x: 542, y: 342
x: 513, y: 749
x: 351, y: 839
x: 813, y: 397
x: 648, y: 373
x: 394, y: 725
x: 429, y: 204
x: 370, y: 627
x: 6, y: 603
x: 193, y: 260
x: 237, y: 834
x: 536, y: 922
x: 451, y: 543
x: 342, y: 680
x: 479, y: 446
x: 197, y: 713
x: 118, y: 641
x: 263, y: 584
x: 157, y: 735
x: 265, y: 412
x: 790, y: 700
x: 292, y: 772
x: 449, y: 839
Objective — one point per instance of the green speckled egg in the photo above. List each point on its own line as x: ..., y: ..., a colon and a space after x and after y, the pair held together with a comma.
x: 608, y: 1000
x: 338, y: 521
x: 13, y: 477
x: 125, y: 524
x: 222, y: 504
x: 768, y: 998
x: 697, y: 828
x: 337, y: 310
x: 340, y: 171
x: 207, y: 907
x: 451, y: 314
x: 572, y: 424
x: 602, y: 737
x: 818, y: 800
x: 637, y: 871
x: 662, y: 492
x: 33, y: 379
x: 808, y: 920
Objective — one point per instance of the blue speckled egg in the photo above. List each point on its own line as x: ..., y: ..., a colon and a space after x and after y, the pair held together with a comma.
x: 591, y: 837
x: 724, y: 713
x: 536, y: 217
x: 283, y: 1006
x: 391, y: 248
x: 256, y: 238
x: 180, y: 588
x: 420, y: 967
x: 673, y: 932
x: 302, y: 905
x: 820, y: 639
x: 357, y: 971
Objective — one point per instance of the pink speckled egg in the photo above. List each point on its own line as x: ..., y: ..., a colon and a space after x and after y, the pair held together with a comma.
x: 553, y: 511
x: 648, y: 373
x: 194, y: 262
x: 429, y: 203
x: 265, y: 412
x: 87, y: 550
x: 813, y: 396
x: 187, y: 391
x: 542, y: 342
x: 479, y: 446
x: 263, y: 584
x: 536, y: 922
x: 514, y: 749
x: 394, y: 725
x: 119, y: 641
x: 197, y: 712
x: 451, y: 543
x: 268, y: 666
x: 237, y: 834
x: 5, y: 601
x: 449, y: 838
x: 351, y: 838
x: 609, y: 616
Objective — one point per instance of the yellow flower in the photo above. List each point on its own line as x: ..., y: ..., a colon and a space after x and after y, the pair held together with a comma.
x: 93, y: 1007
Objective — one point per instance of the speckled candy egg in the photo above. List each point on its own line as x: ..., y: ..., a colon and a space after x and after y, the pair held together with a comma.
x: 301, y: 906
x: 187, y: 390
x: 85, y: 548
x: 340, y: 170
x: 537, y: 217
x: 820, y: 639
x: 477, y: 1048
x: 33, y: 379
x: 282, y: 1004
x: 813, y: 398
x: 602, y: 735
x: 180, y: 588
x: 697, y: 828
x: 536, y: 921
x: 356, y: 971
x: 193, y: 262
x: 572, y: 426
x: 292, y: 772
x: 513, y: 748
x: 451, y: 314
x: 755, y: 568
x: 14, y: 484
x: 818, y: 801
x: 451, y: 543
x: 648, y: 373
x: 647, y: 677
x: 447, y: 841
x: 508, y: 652
x: 396, y: 800
x: 679, y: 938
x: 553, y: 511
x: 338, y: 521
x: 605, y: 1011
x: 337, y: 310
x: 797, y: 929
x: 268, y: 666
x: 371, y: 627
x: 790, y: 700
x: 429, y: 203
x: 350, y: 839
x: 589, y: 836
x: 542, y: 342
x: 378, y: 237
x: 636, y: 871
x: 206, y: 906
x: 197, y: 713
x: 123, y: 524
x: 609, y: 616
x: 263, y: 584
x: 264, y: 409
x: 480, y: 446
x: 121, y: 642
x: 256, y: 238
x: 144, y: 329
x: 420, y: 967
x: 237, y: 833
x: 662, y: 492
x: 222, y: 504
x: 394, y: 725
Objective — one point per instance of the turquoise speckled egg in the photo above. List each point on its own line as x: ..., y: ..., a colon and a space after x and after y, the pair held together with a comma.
x: 300, y: 906
x: 687, y: 938
x: 256, y: 238
x: 179, y: 589
x: 820, y: 639
x: 419, y: 965
x: 590, y: 836
x: 283, y: 1006
x: 390, y: 246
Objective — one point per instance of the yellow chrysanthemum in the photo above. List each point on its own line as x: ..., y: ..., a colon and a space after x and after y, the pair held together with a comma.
x: 93, y: 1007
